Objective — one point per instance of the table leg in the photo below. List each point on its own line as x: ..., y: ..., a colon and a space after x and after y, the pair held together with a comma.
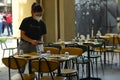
x: 30, y: 67
x: 18, y: 45
x: 89, y: 75
x: 59, y: 70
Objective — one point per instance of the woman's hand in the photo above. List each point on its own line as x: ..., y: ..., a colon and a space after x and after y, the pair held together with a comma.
x: 34, y: 42
x: 40, y: 42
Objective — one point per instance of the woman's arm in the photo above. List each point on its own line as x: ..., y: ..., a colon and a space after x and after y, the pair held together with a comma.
x: 23, y: 36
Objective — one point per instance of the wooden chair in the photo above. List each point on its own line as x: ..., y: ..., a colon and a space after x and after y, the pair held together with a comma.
x: 16, y: 64
x: 52, y: 50
x: 115, y: 40
x: 81, y: 60
x: 53, y: 45
x: 46, y: 66
x: 108, y: 47
x: 4, y: 46
x: 68, y: 71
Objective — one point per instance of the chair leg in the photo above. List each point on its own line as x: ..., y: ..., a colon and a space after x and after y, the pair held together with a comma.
x: 108, y: 58
x: 83, y: 72
x: 112, y: 57
x: 77, y: 76
x: 101, y: 64
x: 119, y: 59
x: 12, y: 52
x: 9, y: 52
x: 77, y: 66
x: 96, y: 67
x: 92, y: 68
x: 3, y: 52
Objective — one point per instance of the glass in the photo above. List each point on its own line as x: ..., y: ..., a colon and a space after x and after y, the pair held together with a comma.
x: 48, y: 51
x: 73, y: 40
x: 95, y: 40
x: 59, y: 40
x: 38, y: 50
x: 66, y: 54
x: 81, y: 42
x: 20, y: 52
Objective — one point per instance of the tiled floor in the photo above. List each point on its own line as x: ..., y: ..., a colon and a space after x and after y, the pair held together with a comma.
x: 109, y: 73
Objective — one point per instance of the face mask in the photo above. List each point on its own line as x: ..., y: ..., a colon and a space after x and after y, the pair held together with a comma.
x: 37, y: 18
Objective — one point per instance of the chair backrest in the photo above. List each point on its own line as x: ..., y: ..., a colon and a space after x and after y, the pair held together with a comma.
x: 114, y: 39
x: 101, y: 43
x: 52, y: 50
x: 110, y: 34
x: 14, y: 63
x: 77, y: 46
x: 3, y: 42
x: 54, y: 45
x: 72, y: 51
x: 3, y: 39
x: 45, y: 66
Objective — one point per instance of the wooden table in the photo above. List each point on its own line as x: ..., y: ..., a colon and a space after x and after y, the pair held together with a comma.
x: 60, y: 58
x: 29, y: 57
x: 56, y: 57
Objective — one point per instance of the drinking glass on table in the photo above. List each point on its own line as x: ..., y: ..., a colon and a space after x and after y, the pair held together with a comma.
x: 39, y: 48
x: 20, y: 52
x: 48, y: 52
x: 66, y: 54
x: 59, y: 40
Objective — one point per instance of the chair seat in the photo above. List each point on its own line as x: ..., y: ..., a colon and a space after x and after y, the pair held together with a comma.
x: 10, y: 48
x: 68, y: 71
x: 117, y: 50
x: 109, y: 47
x: 55, y: 78
x: 99, y: 49
x: 82, y: 61
x: 95, y: 55
x: 25, y: 77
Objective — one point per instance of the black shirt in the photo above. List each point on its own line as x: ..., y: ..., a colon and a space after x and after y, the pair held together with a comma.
x: 32, y: 28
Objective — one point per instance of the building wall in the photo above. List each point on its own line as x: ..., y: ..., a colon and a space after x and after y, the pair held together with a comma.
x: 50, y: 18
x: 69, y: 19
x: 20, y: 10
x: 59, y: 18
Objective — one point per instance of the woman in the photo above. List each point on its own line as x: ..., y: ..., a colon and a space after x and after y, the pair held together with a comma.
x: 32, y: 30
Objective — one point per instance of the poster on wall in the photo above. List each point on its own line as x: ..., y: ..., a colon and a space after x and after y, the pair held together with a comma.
x: 92, y: 16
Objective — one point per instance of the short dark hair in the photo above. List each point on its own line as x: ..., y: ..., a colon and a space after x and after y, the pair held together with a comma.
x: 36, y: 7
